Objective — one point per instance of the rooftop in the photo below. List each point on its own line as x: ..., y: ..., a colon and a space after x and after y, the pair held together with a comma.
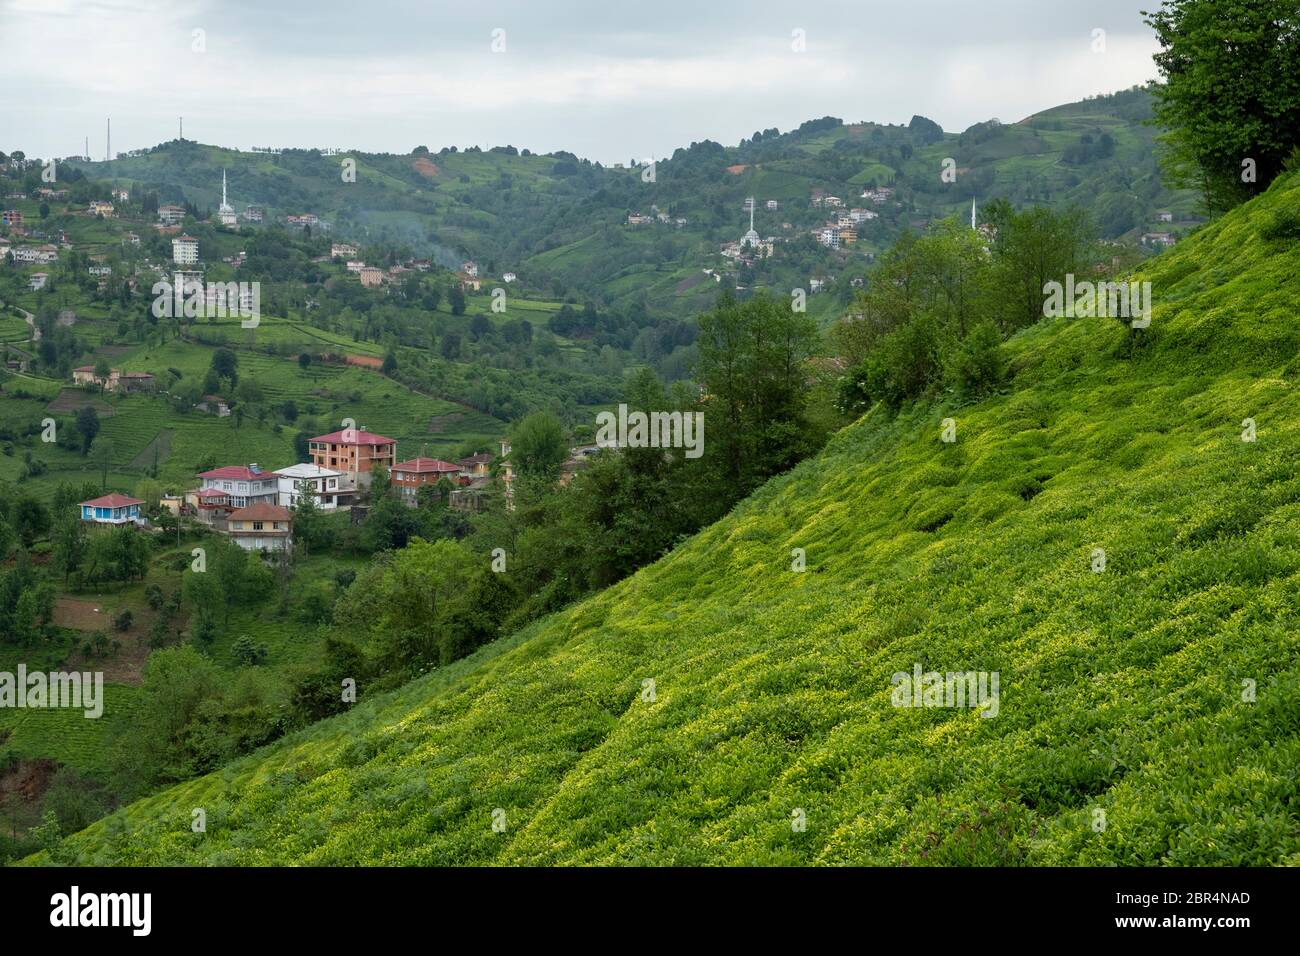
x: 261, y: 512
x: 113, y: 500
x: 426, y: 465
x: 240, y: 472
x: 354, y: 436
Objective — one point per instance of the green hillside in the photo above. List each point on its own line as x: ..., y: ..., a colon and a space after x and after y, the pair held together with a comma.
x: 1160, y: 690
x: 560, y: 221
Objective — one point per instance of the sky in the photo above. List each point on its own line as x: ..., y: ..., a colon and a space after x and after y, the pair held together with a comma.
x: 614, y: 81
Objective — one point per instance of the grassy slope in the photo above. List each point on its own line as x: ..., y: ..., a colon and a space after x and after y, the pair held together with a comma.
x: 1121, y: 691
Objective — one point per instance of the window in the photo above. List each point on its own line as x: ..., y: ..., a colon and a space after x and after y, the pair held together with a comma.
x: 257, y: 526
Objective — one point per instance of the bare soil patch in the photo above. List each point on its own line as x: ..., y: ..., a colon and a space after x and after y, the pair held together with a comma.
x: 426, y: 167
x: 73, y: 399
x: 27, y: 780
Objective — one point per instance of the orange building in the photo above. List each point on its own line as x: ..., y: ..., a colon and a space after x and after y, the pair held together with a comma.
x: 410, y: 475
x: 354, y: 451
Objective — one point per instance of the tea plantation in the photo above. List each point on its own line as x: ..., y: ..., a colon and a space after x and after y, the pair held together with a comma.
x: 1101, y: 535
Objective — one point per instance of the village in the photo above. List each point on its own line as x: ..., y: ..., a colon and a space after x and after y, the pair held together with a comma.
x: 25, y: 244
x: 255, y: 507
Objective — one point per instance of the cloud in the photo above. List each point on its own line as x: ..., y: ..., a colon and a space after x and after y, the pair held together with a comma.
x: 607, y: 81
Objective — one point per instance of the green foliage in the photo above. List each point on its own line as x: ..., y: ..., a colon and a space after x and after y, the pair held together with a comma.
x: 751, y: 366
x: 939, y: 303
x: 538, y: 446
x: 87, y: 425
x: 1231, y: 92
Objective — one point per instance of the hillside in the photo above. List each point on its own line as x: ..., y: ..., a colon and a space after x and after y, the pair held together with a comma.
x: 560, y: 221
x: 1126, y: 691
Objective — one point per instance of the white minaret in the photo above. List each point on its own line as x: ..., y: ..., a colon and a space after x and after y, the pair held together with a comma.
x: 225, y: 214
x: 224, y: 203
x: 972, y: 215
x: 751, y: 237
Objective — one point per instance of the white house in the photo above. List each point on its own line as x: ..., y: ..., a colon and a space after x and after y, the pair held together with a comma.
x: 245, y: 485
x: 331, y: 489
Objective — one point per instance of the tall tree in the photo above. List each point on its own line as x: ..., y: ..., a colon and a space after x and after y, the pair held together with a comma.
x: 1231, y: 96
x: 538, y: 447
x: 87, y: 426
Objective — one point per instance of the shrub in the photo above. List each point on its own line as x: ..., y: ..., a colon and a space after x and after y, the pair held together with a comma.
x: 977, y: 366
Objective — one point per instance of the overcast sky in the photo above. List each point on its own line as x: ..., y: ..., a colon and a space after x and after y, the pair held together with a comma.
x: 613, y: 81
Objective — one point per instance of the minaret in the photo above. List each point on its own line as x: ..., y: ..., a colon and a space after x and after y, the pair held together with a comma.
x: 751, y: 213
x: 224, y: 203
x: 972, y: 216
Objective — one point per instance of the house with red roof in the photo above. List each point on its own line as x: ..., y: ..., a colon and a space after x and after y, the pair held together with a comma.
x: 112, y: 509
x: 261, y: 527
x: 409, y: 476
x: 243, y: 485
x: 354, y: 451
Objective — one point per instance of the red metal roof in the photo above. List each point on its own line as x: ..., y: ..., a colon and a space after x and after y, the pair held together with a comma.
x: 240, y: 472
x: 355, y: 437
x: 420, y: 465
x: 113, y: 500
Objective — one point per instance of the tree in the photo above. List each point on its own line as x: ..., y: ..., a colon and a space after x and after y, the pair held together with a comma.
x: 751, y: 364
x: 450, y: 346
x: 69, y: 545
x: 304, y: 361
x: 102, y: 372
x: 309, y: 530
x: 1231, y: 94
x: 87, y: 426
x: 226, y: 364
x: 390, y: 362
x: 105, y: 454
x: 456, y: 297
x: 390, y: 525
x: 150, y: 492
x: 45, y: 210
x: 31, y: 520
x: 538, y: 447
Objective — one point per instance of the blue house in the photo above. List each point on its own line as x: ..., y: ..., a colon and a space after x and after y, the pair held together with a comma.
x: 111, y: 509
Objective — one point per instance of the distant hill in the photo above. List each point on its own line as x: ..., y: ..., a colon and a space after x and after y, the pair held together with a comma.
x: 1100, y: 536
x: 561, y: 221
